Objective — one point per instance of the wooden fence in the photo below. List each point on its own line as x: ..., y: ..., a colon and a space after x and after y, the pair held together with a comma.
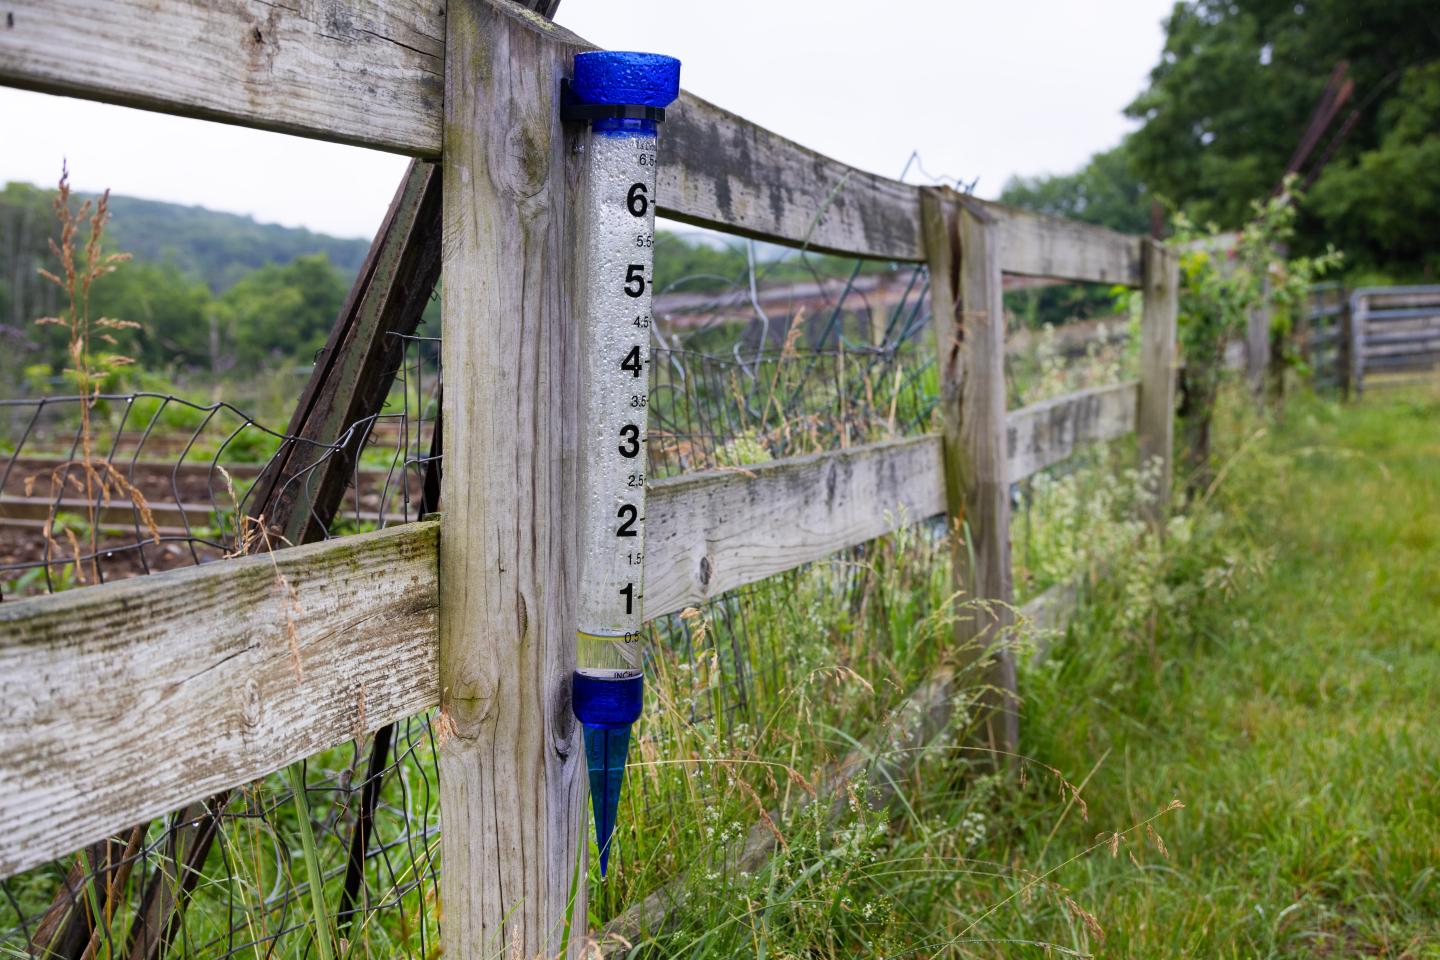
x: 1389, y: 334
x: 475, y: 613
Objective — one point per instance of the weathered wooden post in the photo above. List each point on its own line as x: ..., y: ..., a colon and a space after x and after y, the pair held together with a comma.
x: 962, y: 248
x: 1155, y: 420
x: 1358, y: 315
x: 1257, y: 346
x: 512, y: 772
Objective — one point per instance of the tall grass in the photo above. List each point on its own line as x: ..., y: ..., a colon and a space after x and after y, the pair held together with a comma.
x: 1274, y: 664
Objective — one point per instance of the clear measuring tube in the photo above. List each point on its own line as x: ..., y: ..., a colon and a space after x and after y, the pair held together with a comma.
x: 623, y: 96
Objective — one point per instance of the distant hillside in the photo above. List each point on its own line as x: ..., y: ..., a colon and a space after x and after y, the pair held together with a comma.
x: 219, y: 248
x: 213, y: 247
x: 212, y: 291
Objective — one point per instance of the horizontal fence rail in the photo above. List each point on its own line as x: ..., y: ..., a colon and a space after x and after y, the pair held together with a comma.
x: 371, y: 75
x: 243, y: 666
x: 236, y: 668
x: 1043, y: 434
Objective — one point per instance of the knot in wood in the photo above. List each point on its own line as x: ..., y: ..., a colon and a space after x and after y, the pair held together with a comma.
x: 251, y: 708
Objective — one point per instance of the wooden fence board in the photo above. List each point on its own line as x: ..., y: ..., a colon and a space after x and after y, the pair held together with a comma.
x: 512, y: 778
x: 1391, y: 314
x: 91, y: 674
x: 1037, y: 245
x: 714, y: 531
x: 304, y: 483
x: 720, y: 170
x: 1155, y: 400
x: 129, y: 700
x: 1045, y: 433
x: 366, y: 72
x: 963, y: 243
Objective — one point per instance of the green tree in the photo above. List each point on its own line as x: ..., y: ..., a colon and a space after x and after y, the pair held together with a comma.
x: 1223, y: 278
x: 173, y: 311
x: 1105, y: 191
x: 1382, y: 206
x: 1236, y: 84
x: 282, y: 312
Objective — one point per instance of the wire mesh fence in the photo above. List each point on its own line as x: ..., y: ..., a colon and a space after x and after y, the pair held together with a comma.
x: 119, y: 485
x: 125, y: 484
x: 122, y: 485
x: 128, y: 484
x: 773, y: 386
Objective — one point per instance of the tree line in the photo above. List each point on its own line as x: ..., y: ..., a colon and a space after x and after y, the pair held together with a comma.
x: 220, y: 295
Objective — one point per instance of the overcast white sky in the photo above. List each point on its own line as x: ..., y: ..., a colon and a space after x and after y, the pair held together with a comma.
x: 981, y: 88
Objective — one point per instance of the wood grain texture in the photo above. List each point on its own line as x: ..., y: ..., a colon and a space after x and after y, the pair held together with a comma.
x: 709, y: 532
x: 1035, y: 244
x: 1155, y: 425
x: 299, y: 491
x: 512, y: 776
x: 203, y: 661
x: 1043, y: 434
x: 720, y: 170
x: 715, y: 531
x: 741, y: 525
x: 366, y: 72
x: 963, y: 242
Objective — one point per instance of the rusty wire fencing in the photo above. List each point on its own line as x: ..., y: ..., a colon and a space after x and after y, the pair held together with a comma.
x: 147, y: 482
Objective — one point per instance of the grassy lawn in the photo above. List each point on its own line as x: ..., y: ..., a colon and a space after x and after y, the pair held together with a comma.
x: 1279, y: 673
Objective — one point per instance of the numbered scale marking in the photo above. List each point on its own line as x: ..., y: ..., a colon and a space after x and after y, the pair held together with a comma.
x: 615, y: 401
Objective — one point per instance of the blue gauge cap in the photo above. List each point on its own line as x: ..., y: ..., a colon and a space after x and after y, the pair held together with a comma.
x: 621, y: 77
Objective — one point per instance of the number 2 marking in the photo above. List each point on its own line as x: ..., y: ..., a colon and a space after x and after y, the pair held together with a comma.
x: 627, y: 515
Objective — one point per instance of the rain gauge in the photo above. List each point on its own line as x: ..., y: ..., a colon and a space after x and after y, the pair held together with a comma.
x: 623, y: 97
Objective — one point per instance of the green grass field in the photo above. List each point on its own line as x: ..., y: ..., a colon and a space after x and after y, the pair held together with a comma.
x: 1279, y: 674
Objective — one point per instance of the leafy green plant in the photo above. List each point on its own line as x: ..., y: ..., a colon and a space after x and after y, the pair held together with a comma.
x: 1223, y: 278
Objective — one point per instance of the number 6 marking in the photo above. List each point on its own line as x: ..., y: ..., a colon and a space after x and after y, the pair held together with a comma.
x: 636, y: 201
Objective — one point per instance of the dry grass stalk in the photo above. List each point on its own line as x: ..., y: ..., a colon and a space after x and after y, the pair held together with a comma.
x: 253, y: 535
x: 1087, y: 918
x: 98, y: 480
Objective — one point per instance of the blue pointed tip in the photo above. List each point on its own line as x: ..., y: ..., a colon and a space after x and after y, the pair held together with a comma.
x: 605, y: 751
x: 606, y: 707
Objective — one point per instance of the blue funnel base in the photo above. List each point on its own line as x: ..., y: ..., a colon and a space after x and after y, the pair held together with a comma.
x: 605, y: 752
x: 606, y: 707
